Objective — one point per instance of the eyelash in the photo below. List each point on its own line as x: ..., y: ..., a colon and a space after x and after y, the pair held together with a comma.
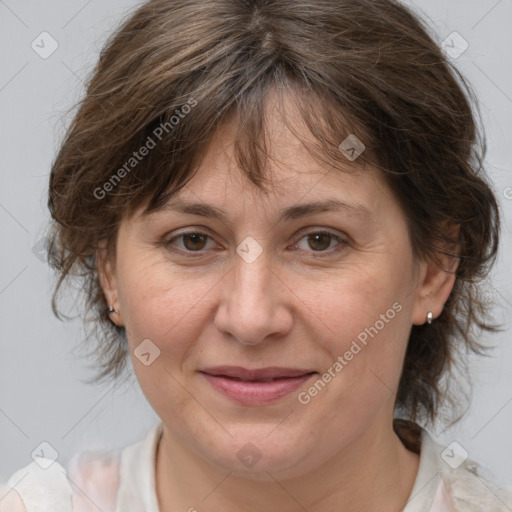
x: 317, y: 254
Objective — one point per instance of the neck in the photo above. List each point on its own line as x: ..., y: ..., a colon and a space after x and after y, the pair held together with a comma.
x: 376, y: 472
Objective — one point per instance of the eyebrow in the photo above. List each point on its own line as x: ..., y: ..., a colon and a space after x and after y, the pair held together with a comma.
x: 289, y: 213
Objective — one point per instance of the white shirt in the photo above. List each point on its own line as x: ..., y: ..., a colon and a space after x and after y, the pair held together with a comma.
x: 125, y: 482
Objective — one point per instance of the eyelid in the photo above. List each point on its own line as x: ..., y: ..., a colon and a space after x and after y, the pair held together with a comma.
x: 342, y: 240
x: 167, y: 242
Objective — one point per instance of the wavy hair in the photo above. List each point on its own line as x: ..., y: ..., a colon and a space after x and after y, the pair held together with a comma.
x: 175, y: 69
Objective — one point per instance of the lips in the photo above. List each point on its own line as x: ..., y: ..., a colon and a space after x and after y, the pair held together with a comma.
x: 262, y: 374
x: 255, y: 387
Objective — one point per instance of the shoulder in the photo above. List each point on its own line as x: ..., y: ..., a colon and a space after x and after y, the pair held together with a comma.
x: 95, y: 480
x: 10, y: 500
x: 89, y: 481
x: 472, y: 489
x: 464, y: 485
x: 39, y: 483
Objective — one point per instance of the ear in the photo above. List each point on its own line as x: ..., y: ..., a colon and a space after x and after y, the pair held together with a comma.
x: 108, y: 281
x: 435, y: 281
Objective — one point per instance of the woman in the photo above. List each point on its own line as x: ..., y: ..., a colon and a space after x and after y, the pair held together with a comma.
x: 277, y: 212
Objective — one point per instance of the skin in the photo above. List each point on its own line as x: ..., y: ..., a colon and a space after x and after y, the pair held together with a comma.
x: 291, y: 307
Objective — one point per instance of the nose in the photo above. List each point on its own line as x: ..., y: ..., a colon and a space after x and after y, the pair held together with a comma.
x: 253, y: 305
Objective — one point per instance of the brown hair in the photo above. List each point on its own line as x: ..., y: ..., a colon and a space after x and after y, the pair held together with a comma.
x: 176, y: 69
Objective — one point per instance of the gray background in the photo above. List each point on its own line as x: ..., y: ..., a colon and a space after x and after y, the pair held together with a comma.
x: 42, y: 396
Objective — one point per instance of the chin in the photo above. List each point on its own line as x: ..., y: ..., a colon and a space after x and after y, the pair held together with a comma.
x: 256, y: 455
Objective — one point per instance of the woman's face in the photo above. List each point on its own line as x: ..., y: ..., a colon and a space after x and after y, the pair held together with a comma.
x: 259, y: 289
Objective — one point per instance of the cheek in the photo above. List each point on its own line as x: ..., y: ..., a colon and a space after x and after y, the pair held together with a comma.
x: 168, y: 309
x: 364, y: 317
x: 171, y: 310
x: 163, y: 305
x: 346, y: 304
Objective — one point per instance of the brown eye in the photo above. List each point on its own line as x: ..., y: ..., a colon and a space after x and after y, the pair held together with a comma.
x: 190, y: 242
x: 194, y: 241
x: 319, y: 241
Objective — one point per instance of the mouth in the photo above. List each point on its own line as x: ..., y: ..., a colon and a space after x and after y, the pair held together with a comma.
x: 256, y: 387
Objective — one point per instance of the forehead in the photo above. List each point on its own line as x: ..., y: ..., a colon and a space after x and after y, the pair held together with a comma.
x: 300, y: 187
x: 299, y: 179
x: 292, y: 172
